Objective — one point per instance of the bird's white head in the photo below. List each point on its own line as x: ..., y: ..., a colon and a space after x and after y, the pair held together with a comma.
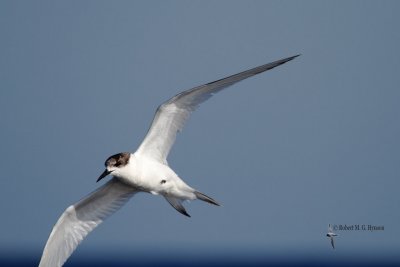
x: 115, y: 164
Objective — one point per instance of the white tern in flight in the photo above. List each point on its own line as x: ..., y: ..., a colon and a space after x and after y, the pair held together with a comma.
x: 146, y: 170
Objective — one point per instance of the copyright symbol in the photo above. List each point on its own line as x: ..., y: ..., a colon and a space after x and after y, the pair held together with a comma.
x: 335, y: 227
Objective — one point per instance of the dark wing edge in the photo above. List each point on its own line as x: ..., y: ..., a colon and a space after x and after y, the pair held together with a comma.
x: 171, y: 116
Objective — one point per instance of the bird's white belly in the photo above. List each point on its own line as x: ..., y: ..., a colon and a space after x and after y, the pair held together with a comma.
x: 147, y: 175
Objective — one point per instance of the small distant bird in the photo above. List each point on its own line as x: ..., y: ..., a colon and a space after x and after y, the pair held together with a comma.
x: 146, y: 170
x: 331, y: 234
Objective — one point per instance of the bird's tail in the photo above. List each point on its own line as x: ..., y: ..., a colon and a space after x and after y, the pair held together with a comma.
x: 177, y: 202
x: 205, y: 198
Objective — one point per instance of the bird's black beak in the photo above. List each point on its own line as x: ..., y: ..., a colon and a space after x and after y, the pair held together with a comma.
x: 104, y: 174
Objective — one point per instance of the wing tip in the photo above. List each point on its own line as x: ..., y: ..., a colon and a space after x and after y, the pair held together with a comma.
x: 290, y: 58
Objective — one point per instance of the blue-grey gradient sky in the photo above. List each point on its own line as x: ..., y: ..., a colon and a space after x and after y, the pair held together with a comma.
x: 313, y: 142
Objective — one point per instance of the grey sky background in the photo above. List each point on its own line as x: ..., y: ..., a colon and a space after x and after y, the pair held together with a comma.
x: 313, y: 142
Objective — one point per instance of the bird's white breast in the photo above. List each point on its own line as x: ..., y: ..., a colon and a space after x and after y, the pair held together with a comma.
x: 145, y: 173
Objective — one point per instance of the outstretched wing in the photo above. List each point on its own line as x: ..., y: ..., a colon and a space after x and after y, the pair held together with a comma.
x: 80, y: 219
x: 332, y: 242
x: 172, y: 114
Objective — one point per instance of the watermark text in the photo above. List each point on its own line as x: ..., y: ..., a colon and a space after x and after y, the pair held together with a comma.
x: 358, y: 227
